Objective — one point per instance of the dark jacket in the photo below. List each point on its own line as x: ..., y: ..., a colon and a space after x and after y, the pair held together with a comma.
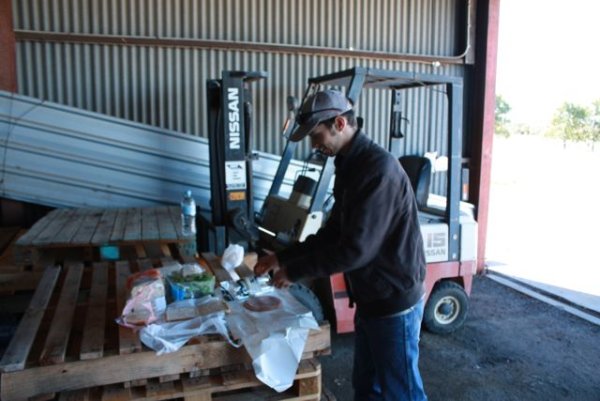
x: 372, y: 235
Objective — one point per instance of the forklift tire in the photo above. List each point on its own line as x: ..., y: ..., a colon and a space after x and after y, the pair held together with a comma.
x: 447, y: 307
x: 306, y: 297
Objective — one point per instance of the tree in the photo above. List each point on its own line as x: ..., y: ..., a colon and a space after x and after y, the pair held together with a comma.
x: 571, y: 122
x: 595, y: 123
x: 502, y: 120
x: 525, y: 129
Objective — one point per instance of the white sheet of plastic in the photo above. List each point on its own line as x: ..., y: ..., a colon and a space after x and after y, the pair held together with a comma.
x: 165, y: 337
x: 274, y: 339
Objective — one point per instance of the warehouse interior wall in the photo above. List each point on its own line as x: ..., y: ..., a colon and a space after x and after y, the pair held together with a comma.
x: 149, y: 61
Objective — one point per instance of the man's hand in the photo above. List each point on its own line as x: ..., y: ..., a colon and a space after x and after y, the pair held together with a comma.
x: 280, y: 279
x: 270, y: 263
x: 265, y: 264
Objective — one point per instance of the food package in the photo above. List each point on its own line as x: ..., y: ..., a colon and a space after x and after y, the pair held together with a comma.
x: 164, y: 337
x: 146, y: 299
x: 191, y: 308
x: 191, y: 281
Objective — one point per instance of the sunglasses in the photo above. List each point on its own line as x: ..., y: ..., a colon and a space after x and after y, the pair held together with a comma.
x: 303, y: 118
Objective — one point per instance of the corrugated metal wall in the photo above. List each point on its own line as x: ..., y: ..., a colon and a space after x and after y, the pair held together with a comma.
x: 62, y: 156
x: 164, y: 86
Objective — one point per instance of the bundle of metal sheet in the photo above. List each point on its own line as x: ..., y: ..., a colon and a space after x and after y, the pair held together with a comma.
x: 61, y: 156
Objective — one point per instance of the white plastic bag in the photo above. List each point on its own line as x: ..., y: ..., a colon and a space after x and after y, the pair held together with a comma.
x: 274, y: 339
x: 166, y: 337
x: 232, y: 257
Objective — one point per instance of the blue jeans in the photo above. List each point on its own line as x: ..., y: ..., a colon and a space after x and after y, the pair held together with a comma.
x: 386, y: 357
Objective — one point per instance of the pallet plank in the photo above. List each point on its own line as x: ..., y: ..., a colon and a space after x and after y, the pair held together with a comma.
x: 54, y: 228
x: 168, y: 378
x: 116, y: 393
x: 133, y: 226
x: 150, y: 231
x: 161, y: 390
x: 166, y: 251
x: 75, y: 395
x: 17, y: 281
x: 72, y: 222
x: 221, y: 274
x: 57, y: 339
x: 140, y: 250
x: 167, y: 261
x: 90, y: 219
x: 166, y: 225
x: 244, y: 271
x: 175, y: 213
x: 118, y: 231
x: 105, y: 227
x: 135, y: 383
x: 92, y: 344
x: 145, y: 264
x: 40, y: 259
x: 311, y: 384
x: 198, y: 397
x: 37, y: 228
x: 189, y: 259
x: 129, y: 341
x: 15, y: 357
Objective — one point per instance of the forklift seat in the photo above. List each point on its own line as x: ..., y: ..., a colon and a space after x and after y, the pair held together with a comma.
x: 418, y: 169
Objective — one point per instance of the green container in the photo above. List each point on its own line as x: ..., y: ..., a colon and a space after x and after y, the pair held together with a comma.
x: 194, y: 286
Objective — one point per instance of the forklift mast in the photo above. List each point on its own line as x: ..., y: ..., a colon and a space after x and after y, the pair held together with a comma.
x: 229, y: 106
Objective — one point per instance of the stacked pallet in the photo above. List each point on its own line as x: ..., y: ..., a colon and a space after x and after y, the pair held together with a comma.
x: 87, y: 233
x: 68, y: 346
x: 232, y: 385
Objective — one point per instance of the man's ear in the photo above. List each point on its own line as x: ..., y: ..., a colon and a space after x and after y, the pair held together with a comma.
x: 340, y: 123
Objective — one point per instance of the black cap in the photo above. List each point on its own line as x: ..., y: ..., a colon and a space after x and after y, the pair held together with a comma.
x: 319, y: 107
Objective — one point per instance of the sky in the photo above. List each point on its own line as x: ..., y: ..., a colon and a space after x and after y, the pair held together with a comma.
x: 548, y: 53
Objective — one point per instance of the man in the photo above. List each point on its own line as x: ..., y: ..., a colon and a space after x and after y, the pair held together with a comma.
x: 373, y: 237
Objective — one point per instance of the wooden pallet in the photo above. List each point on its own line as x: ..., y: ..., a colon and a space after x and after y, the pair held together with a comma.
x: 82, y: 233
x: 232, y: 386
x: 23, y: 277
x: 68, y: 339
x: 14, y: 277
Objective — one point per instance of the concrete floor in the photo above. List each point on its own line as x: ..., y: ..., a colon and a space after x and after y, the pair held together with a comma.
x: 512, y: 347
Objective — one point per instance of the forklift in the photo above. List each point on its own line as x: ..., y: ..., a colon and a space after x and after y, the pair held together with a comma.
x: 447, y: 224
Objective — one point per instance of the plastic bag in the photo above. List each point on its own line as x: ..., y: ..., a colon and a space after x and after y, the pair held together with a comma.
x: 232, y: 257
x: 274, y: 339
x: 146, y: 301
x: 191, y: 308
x: 166, y: 337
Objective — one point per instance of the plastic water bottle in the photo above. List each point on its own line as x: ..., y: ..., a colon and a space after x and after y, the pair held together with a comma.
x: 188, y: 214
